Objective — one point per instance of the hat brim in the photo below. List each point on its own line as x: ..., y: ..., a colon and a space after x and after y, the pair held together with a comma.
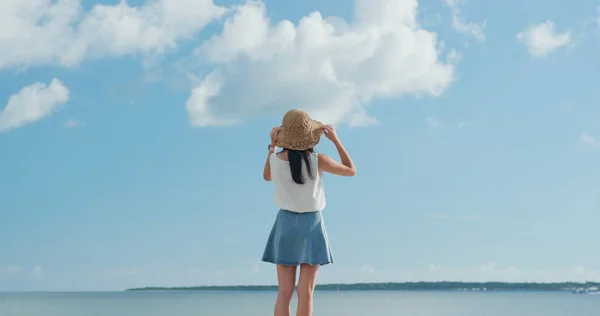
x: 307, y: 141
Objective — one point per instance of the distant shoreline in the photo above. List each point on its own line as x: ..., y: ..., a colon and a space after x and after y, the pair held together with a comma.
x: 404, y: 286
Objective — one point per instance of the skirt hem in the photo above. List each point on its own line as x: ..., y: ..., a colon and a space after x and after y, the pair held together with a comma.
x: 296, y: 263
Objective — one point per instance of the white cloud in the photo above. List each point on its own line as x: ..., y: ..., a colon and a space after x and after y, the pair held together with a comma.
x: 33, y: 103
x: 486, y: 272
x: 542, y: 39
x: 469, y: 218
x: 462, y: 26
x: 73, y: 123
x: 13, y: 270
x: 125, y: 273
x: 486, y: 267
x: 248, y: 268
x: 452, y: 3
x: 367, y: 268
x: 434, y: 267
x: 255, y: 268
x: 196, y: 271
x: 585, y: 138
x: 433, y: 122
x: 442, y: 216
x: 436, y: 215
x: 37, y: 270
x: 462, y: 125
x: 60, y: 32
x: 327, y: 66
x: 598, y: 18
x: 135, y: 271
x: 580, y: 271
x: 491, y: 272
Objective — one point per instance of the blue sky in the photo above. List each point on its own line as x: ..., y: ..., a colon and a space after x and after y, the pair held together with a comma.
x: 133, y: 135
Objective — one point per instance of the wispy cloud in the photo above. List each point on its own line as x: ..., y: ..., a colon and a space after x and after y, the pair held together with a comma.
x: 434, y: 267
x: 37, y: 270
x: 436, y: 215
x: 73, y: 123
x: 16, y: 270
x: 124, y: 272
x: 442, y: 216
x: 585, y: 138
x: 469, y: 218
x: 484, y: 271
x: 367, y: 268
x: 460, y: 24
x: 13, y: 270
x: 433, y: 122
x: 196, y: 271
x: 584, y: 272
x: 477, y: 271
x: 542, y: 39
x: 462, y: 125
x: 248, y: 267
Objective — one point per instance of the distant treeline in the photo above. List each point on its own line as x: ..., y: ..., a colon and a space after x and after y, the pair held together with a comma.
x: 405, y: 286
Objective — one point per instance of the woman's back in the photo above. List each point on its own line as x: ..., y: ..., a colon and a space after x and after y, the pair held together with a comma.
x: 298, y: 236
x: 291, y: 196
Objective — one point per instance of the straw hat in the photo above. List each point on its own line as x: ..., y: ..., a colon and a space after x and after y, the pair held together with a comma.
x: 298, y: 131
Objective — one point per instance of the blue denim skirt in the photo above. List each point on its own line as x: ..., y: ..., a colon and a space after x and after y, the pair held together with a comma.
x: 298, y: 238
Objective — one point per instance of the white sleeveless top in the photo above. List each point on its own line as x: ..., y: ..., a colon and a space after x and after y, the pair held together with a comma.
x: 299, y: 198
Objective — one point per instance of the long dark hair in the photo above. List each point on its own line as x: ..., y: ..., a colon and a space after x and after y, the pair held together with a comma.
x: 295, y: 158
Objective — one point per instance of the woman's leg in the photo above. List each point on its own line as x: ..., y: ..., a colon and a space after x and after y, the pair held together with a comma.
x: 306, y: 288
x: 286, y: 276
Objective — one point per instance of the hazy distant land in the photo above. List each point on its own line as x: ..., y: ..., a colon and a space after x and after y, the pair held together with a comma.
x: 405, y: 286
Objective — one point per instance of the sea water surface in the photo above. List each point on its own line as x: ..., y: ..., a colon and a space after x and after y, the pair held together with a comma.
x: 346, y: 303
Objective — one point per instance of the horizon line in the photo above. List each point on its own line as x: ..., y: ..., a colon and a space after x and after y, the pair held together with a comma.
x: 318, y: 285
x: 376, y: 283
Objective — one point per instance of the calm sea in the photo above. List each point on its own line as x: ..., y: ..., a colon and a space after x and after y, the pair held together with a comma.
x: 326, y: 303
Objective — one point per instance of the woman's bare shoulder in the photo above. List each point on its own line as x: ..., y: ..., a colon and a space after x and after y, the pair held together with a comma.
x: 330, y: 165
x: 282, y: 155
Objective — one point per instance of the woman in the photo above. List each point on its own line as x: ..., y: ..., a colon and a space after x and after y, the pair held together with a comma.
x: 298, y: 237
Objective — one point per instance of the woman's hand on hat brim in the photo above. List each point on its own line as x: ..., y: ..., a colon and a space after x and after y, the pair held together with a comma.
x: 329, y: 132
x: 274, y: 132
